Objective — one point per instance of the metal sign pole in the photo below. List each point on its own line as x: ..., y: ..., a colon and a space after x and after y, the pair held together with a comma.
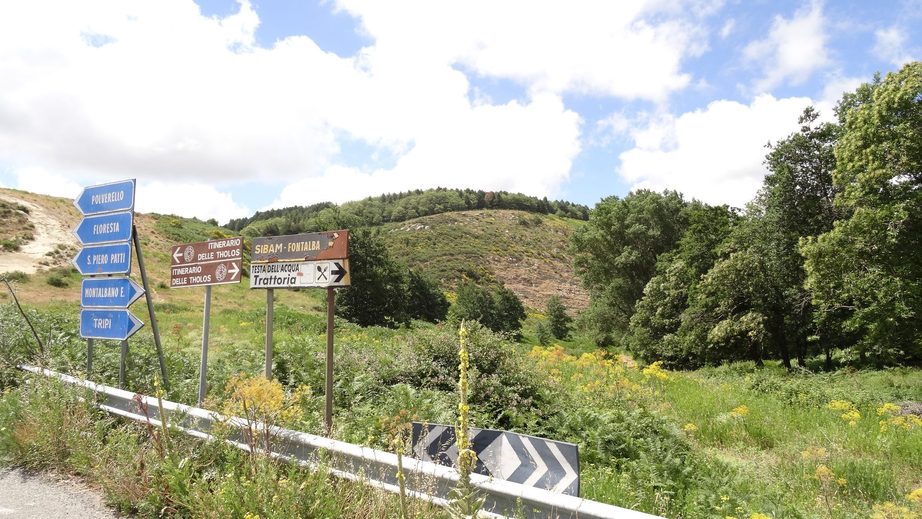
x: 121, y: 364
x: 270, y: 303
x: 150, y: 306
x: 89, y: 358
x: 204, y: 366
x: 328, y: 408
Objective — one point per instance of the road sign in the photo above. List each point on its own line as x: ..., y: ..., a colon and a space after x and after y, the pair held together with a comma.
x: 518, y: 458
x: 114, y: 258
x: 329, y: 245
x: 202, y: 274
x: 300, y: 274
x: 108, y: 324
x: 107, y: 198
x: 104, y: 228
x: 213, y: 262
x: 207, y: 251
x: 109, y: 293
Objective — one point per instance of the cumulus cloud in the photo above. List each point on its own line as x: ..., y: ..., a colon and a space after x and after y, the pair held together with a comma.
x: 632, y: 50
x: 714, y: 154
x: 39, y: 180
x: 890, y: 46
x: 160, y: 92
x: 192, y: 199
x: 515, y: 147
x: 792, y: 51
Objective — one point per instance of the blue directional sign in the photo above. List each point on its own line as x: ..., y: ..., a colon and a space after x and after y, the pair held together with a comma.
x: 104, y: 228
x: 114, y: 258
x: 107, y: 198
x: 109, y: 292
x: 108, y: 324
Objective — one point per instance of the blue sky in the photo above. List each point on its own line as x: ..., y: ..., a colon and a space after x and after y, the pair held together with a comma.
x: 222, y: 107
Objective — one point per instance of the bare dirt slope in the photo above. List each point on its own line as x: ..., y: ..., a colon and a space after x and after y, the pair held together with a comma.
x: 53, y: 242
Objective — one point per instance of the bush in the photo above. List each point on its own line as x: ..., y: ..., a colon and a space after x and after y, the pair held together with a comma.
x: 56, y: 280
x: 507, y: 391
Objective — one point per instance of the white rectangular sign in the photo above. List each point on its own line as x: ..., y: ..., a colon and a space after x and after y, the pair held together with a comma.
x: 300, y: 274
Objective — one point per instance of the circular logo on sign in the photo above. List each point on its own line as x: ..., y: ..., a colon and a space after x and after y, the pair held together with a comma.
x: 188, y: 254
x: 221, y: 272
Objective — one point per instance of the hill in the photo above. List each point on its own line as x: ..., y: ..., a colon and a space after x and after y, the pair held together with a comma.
x: 528, y: 252
x: 524, y: 250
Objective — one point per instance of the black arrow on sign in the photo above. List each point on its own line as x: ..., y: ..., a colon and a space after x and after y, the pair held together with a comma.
x: 338, y: 271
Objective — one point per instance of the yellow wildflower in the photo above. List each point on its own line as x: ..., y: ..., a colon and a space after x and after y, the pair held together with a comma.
x: 740, y: 411
x: 813, y: 453
x: 888, y: 409
x: 841, y: 482
x: 915, y: 496
x: 656, y: 371
x: 759, y: 515
x: 689, y: 427
x: 824, y: 473
x: 888, y: 510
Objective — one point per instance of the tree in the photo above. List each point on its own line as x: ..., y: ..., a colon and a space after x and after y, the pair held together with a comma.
x: 377, y: 295
x: 796, y: 202
x: 498, y: 309
x: 425, y: 299
x: 658, y: 316
x: 557, y: 319
x: 868, y: 267
x: 616, y: 251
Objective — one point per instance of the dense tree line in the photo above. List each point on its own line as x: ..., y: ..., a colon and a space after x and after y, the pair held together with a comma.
x: 826, y: 258
x: 396, y: 207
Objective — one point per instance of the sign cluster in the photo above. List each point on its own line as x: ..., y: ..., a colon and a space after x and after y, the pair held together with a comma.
x: 105, y: 233
x: 312, y: 260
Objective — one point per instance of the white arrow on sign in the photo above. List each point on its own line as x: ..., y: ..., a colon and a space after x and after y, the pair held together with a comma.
x: 234, y: 270
x: 540, y: 465
x: 177, y: 254
x: 570, y: 474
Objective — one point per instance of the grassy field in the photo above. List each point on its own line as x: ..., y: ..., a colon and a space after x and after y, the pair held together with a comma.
x: 730, y: 442
x: 734, y: 441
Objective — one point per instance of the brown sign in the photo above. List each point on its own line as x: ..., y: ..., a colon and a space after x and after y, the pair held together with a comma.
x: 300, y: 274
x: 329, y: 245
x: 213, y: 262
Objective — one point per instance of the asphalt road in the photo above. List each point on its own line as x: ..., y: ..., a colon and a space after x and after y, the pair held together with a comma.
x: 25, y: 495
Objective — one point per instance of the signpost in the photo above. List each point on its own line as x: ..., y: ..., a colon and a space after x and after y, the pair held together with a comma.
x: 113, y: 258
x: 301, y: 274
x: 207, y: 263
x: 104, y: 228
x: 109, y: 293
x: 312, y: 260
x: 107, y: 231
x: 108, y: 323
x: 106, y: 198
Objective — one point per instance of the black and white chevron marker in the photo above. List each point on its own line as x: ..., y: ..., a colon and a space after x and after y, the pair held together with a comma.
x: 519, y: 458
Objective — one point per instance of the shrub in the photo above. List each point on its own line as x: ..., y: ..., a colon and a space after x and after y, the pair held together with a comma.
x: 557, y: 319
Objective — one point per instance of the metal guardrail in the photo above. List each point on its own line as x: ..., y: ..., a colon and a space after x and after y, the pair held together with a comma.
x: 424, y: 480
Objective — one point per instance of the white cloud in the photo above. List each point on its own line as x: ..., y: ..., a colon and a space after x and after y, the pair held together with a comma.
x: 521, y: 148
x: 838, y: 85
x: 714, y: 154
x: 793, y: 50
x: 159, y: 92
x: 890, y: 46
x: 190, y: 199
x: 39, y: 180
x: 727, y: 28
x: 603, y: 48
